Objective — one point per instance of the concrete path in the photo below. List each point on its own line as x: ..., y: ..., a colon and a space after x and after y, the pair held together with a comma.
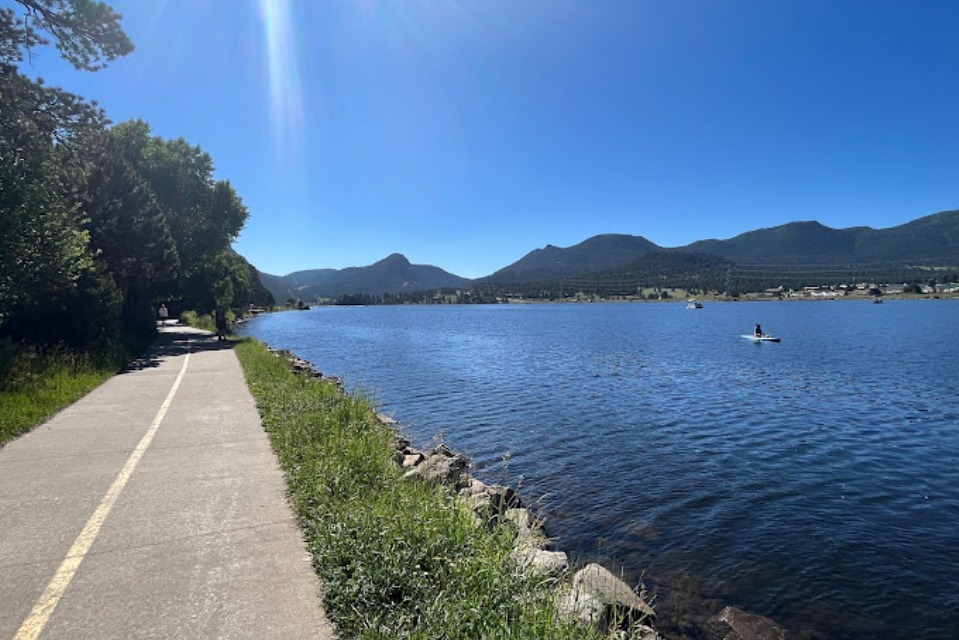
x: 154, y: 508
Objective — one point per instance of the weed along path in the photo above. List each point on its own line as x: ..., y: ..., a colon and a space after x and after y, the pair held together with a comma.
x: 154, y: 508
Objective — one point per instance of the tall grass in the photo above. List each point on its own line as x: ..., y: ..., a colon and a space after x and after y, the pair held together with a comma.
x: 398, y: 559
x: 200, y: 321
x: 36, y: 382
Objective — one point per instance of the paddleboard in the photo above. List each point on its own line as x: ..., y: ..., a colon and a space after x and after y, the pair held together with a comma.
x: 761, y: 338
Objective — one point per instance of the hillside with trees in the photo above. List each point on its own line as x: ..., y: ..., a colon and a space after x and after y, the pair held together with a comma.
x: 930, y: 240
x: 594, y: 254
x: 794, y: 255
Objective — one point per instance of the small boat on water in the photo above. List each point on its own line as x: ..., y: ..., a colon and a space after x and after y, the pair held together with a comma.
x: 877, y: 300
x: 693, y: 304
x: 763, y: 338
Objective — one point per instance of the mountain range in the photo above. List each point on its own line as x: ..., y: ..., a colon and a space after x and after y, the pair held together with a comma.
x: 393, y: 274
x: 928, y: 241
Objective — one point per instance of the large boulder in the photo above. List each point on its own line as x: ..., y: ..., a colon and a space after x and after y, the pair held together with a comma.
x: 542, y: 562
x: 736, y: 624
x: 529, y: 530
x: 603, y: 600
x: 502, y: 498
x: 489, y: 502
x: 529, y: 546
x: 411, y: 460
x: 442, y: 465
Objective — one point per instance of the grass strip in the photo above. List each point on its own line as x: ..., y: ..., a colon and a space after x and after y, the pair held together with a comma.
x: 398, y: 559
x: 35, y: 384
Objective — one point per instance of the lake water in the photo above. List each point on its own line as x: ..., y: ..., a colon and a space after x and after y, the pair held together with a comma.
x: 814, y: 481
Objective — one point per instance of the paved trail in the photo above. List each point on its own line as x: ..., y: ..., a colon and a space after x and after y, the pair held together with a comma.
x: 154, y: 508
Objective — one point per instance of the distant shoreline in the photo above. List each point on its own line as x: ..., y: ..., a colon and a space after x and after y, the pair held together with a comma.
x: 678, y: 297
x: 746, y: 297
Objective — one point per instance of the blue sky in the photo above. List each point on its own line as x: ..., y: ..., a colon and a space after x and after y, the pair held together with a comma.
x: 465, y: 134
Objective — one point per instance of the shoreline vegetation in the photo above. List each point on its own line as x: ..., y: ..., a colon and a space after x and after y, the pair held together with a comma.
x: 400, y: 558
x: 681, y: 296
x: 668, y: 294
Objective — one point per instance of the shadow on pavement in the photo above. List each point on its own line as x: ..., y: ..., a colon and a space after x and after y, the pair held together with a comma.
x: 173, y: 342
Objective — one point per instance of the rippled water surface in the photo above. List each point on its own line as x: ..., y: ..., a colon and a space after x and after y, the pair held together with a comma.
x: 814, y: 481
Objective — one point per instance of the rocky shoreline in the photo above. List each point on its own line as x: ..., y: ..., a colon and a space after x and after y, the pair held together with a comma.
x: 591, y: 593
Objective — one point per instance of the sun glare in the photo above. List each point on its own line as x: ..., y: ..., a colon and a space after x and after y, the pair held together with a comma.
x: 286, y: 101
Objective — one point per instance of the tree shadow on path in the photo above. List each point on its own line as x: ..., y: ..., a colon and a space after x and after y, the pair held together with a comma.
x: 176, y: 341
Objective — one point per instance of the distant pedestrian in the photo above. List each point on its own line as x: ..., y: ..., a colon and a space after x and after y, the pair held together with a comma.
x: 164, y: 314
x: 220, y: 324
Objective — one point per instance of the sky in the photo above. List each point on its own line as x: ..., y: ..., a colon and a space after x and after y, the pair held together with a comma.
x: 466, y: 133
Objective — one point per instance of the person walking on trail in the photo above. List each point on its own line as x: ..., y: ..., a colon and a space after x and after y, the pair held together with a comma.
x: 220, y: 324
x: 164, y: 314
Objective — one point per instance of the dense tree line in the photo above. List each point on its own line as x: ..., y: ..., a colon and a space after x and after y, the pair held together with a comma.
x: 741, y: 279
x: 100, y: 223
x: 431, y: 296
x: 659, y: 270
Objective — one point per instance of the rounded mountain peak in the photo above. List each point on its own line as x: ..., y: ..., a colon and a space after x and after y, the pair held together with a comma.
x: 395, y: 259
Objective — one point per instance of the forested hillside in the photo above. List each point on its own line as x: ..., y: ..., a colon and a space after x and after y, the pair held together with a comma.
x: 594, y: 254
x: 100, y: 222
x: 930, y: 240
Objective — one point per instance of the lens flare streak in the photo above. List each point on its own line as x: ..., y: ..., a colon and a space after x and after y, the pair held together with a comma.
x: 286, y: 100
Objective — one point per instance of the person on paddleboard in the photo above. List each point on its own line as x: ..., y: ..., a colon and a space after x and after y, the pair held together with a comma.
x: 758, y: 331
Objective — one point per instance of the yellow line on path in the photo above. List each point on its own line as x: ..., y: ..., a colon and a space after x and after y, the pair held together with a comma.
x: 43, y: 609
